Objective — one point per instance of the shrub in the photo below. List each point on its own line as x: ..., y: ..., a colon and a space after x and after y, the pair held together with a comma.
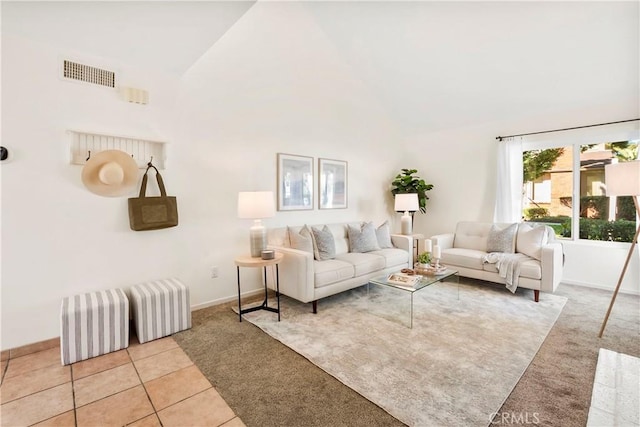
x: 533, y: 213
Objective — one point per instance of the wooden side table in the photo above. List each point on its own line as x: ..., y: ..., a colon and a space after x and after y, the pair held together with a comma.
x: 251, y: 262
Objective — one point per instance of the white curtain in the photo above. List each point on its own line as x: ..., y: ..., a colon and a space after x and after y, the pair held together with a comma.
x: 509, y: 181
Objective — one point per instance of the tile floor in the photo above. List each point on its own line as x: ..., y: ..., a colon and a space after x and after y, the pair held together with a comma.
x: 150, y: 384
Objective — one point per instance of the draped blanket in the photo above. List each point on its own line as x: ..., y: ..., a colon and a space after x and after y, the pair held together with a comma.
x: 508, y: 266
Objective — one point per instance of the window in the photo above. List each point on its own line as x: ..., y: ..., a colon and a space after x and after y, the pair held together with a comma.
x: 558, y: 177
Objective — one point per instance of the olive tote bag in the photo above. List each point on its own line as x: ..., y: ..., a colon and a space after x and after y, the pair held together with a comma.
x: 152, y: 213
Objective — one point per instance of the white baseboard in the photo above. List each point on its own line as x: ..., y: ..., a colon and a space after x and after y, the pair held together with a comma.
x: 225, y: 299
x: 596, y: 286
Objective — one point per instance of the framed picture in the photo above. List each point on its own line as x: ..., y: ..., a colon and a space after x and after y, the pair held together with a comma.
x: 332, y: 184
x: 295, y: 182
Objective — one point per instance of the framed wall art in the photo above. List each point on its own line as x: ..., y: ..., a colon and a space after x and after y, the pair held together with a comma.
x: 295, y: 182
x: 332, y: 177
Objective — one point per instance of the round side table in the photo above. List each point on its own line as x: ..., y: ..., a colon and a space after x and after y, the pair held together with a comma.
x: 251, y: 262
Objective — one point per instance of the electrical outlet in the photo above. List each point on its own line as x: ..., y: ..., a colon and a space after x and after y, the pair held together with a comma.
x: 214, y: 272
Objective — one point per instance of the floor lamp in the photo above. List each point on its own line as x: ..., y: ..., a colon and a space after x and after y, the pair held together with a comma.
x: 623, y: 179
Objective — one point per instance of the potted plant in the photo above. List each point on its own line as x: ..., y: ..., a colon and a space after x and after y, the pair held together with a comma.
x: 424, y: 260
x: 406, y: 182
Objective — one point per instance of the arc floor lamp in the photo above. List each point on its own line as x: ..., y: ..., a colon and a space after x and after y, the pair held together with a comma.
x: 623, y: 179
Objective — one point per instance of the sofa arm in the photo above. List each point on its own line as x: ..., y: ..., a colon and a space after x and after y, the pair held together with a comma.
x: 402, y: 241
x: 296, y: 274
x: 552, y: 266
x: 445, y: 241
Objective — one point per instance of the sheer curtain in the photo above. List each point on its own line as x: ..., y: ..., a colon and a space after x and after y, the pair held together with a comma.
x: 509, y: 181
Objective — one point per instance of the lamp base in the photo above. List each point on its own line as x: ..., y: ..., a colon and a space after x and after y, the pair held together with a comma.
x: 405, y: 224
x: 258, y: 239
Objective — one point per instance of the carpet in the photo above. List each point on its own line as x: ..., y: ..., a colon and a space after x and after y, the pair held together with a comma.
x: 468, y: 348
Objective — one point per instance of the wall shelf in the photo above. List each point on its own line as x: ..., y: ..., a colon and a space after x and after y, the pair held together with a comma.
x: 141, y: 149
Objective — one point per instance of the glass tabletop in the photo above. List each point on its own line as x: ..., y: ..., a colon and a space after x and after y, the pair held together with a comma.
x: 425, y: 280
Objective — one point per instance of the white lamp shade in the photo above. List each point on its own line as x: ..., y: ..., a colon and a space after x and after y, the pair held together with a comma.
x: 256, y: 204
x: 623, y: 179
x: 406, y: 202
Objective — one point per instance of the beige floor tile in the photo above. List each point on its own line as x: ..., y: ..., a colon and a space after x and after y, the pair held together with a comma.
x: 116, y: 410
x: 161, y: 364
x: 100, y: 363
x: 37, y: 407
x: 235, y: 422
x: 3, y: 368
x: 33, y: 361
x: 34, y: 381
x: 203, y: 409
x: 68, y: 419
x: 150, y: 421
x: 140, y: 351
x: 35, y: 347
x: 4, y: 355
x: 97, y: 386
x: 176, y: 386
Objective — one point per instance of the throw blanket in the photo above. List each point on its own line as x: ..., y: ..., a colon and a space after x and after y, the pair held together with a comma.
x: 508, y: 266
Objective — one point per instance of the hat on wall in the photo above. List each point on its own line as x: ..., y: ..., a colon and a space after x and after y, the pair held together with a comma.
x: 110, y: 173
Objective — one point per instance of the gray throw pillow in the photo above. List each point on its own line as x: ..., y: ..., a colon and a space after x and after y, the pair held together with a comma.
x: 302, y: 240
x: 363, y: 238
x: 324, y: 247
x: 383, y: 234
x: 502, y: 240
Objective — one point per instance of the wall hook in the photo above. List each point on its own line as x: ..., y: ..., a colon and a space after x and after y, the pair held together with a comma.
x: 150, y: 164
x: 89, y: 156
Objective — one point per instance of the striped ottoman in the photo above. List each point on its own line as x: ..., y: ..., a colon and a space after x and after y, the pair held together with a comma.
x: 93, y: 324
x: 160, y: 308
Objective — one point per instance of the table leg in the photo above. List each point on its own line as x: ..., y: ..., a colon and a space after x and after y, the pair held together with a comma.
x: 239, y: 299
x: 278, y: 290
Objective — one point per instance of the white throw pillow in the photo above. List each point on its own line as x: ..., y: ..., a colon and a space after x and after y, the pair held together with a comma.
x: 502, y: 239
x: 530, y: 240
x: 363, y: 239
x: 324, y: 246
x: 383, y: 234
x: 302, y: 240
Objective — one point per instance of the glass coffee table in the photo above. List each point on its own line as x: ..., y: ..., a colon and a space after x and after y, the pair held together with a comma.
x: 397, y: 296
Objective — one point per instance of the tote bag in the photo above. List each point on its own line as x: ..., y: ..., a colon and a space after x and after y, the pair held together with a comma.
x: 152, y: 213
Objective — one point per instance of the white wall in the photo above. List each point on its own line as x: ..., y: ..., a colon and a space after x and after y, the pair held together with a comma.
x: 255, y: 93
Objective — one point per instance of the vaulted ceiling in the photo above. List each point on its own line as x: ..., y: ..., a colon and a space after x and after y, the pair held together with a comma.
x: 433, y: 65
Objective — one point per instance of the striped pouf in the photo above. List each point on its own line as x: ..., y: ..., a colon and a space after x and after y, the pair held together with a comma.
x: 93, y: 324
x: 160, y: 308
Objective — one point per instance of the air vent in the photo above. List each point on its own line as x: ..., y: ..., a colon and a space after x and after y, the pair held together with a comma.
x: 89, y: 74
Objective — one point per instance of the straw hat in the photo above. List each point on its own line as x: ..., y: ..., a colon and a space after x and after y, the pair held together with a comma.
x: 110, y: 173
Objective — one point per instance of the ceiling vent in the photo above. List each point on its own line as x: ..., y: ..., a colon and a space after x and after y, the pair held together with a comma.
x: 88, y: 74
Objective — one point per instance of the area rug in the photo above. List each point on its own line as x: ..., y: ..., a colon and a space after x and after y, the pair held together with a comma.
x: 469, y: 345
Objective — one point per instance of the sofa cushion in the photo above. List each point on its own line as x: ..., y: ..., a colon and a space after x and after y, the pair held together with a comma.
x: 324, y: 246
x: 530, y: 240
x: 363, y: 238
x: 530, y: 269
x: 468, y: 258
x: 301, y: 240
x: 502, y: 239
x: 393, y: 256
x: 331, y: 271
x: 472, y: 235
x: 383, y: 234
x: 363, y: 263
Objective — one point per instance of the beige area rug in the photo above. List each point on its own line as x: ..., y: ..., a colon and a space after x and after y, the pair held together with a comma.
x: 469, y: 346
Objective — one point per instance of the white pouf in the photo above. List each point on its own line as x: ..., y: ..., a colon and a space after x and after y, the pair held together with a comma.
x: 93, y: 324
x: 160, y: 308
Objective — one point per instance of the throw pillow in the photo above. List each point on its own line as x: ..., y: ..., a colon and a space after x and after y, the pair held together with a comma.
x: 502, y: 240
x: 301, y: 240
x: 383, y: 234
x: 530, y: 240
x: 363, y: 238
x: 324, y: 247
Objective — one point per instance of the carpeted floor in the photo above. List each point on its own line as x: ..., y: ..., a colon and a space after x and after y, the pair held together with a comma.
x: 267, y: 384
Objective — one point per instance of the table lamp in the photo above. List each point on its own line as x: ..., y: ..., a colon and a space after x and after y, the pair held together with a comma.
x: 256, y: 205
x: 623, y: 179
x: 406, y: 202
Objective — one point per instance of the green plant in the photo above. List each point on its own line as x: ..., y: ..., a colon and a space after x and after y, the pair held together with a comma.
x: 424, y: 258
x: 532, y: 213
x: 405, y: 182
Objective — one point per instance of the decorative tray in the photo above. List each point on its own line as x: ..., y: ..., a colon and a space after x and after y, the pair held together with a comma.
x: 432, y: 270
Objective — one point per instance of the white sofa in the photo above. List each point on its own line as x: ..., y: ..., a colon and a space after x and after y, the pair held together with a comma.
x: 467, y: 250
x: 306, y: 278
